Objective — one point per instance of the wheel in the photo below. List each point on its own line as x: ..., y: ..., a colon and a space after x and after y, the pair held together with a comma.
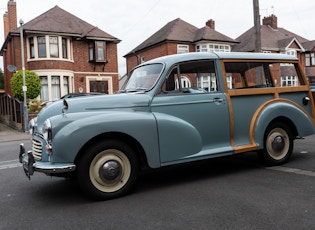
x: 108, y: 170
x: 278, y: 144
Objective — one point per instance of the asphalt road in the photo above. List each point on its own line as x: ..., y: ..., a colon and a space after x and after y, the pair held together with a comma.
x: 227, y: 193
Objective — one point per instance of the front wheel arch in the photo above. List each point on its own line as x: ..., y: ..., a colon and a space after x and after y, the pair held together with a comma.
x: 108, y: 169
x: 134, y: 144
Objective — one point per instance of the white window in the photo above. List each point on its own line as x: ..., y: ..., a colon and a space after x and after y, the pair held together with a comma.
x: 310, y: 59
x: 44, y: 90
x: 291, y: 52
x: 65, y: 85
x: 49, y: 47
x: 229, y: 82
x: 182, y: 49
x: 208, y: 83
x: 55, y: 85
x: 184, y: 81
x: 289, y: 81
x: 53, y: 46
x: 212, y: 47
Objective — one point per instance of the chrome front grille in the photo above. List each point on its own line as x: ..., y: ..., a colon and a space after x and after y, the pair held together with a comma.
x: 37, y: 149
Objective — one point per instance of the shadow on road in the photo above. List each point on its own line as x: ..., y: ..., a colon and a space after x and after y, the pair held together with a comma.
x: 67, y: 191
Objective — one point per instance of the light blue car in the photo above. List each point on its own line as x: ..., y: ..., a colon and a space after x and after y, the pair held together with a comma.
x: 172, y: 110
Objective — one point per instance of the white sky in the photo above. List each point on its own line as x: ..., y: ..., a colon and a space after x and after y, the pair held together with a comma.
x: 134, y: 21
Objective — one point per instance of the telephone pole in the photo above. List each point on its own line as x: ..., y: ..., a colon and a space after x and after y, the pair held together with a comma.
x: 257, y: 26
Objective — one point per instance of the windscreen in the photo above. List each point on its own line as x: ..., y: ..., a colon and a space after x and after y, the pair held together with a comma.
x: 143, y: 78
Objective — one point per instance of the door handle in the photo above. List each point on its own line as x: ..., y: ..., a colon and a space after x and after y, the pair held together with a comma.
x: 305, y: 100
x: 218, y: 100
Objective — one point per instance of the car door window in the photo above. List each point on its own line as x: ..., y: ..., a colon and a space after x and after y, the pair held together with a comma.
x: 191, y: 77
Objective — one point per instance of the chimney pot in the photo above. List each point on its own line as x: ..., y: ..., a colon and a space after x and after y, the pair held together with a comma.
x: 271, y: 21
x: 211, y: 23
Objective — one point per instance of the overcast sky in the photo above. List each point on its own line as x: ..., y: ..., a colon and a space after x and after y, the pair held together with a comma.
x: 134, y: 21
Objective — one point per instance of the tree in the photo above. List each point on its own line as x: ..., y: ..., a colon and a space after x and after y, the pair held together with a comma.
x: 1, y: 79
x: 32, y: 82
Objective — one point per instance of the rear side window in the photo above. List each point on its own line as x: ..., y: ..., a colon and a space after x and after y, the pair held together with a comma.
x: 242, y: 75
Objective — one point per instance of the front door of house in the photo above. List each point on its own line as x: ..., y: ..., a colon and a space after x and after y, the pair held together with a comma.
x: 99, y: 87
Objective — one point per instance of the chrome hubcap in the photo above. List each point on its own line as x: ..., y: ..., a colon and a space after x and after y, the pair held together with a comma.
x: 278, y: 144
x: 110, y: 171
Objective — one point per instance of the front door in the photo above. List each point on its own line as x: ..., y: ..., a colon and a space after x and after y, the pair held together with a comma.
x: 99, y: 87
x: 193, y: 122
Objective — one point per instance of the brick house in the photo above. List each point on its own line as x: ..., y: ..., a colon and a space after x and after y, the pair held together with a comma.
x: 279, y: 40
x: 68, y: 54
x: 179, y: 36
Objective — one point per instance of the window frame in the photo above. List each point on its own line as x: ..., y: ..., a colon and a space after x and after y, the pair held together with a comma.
x: 53, y: 46
x: 41, y: 44
x: 97, y: 49
x: 309, y: 59
x: 182, y: 48
x: 213, y: 47
x: 40, y: 47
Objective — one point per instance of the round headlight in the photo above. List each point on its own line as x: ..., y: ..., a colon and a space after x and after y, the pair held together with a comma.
x: 47, y: 130
x: 32, y: 125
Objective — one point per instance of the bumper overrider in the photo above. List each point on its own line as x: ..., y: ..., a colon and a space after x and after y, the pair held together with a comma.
x: 30, y: 165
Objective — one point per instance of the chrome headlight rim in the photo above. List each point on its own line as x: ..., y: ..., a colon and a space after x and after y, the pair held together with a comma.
x: 47, y: 130
x: 32, y: 125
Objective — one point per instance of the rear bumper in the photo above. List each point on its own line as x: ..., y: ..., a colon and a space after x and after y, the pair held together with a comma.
x: 30, y: 165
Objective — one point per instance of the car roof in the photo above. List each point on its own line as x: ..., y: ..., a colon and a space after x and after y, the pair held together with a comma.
x: 220, y: 55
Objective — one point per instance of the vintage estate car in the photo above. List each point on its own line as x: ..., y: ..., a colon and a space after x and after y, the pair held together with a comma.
x: 174, y: 109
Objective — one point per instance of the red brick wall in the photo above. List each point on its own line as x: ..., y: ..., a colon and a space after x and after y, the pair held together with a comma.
x: 80, y: 64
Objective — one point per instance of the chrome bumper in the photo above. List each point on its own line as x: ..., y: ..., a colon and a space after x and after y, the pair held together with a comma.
x: 30, y: 165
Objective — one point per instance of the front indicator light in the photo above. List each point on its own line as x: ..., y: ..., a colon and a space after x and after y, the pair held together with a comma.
x: 48, y: 149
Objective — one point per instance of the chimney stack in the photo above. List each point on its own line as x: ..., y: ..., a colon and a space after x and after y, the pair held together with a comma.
x: 271, y: 21
x: 210, y: 23
x: 10, y: 18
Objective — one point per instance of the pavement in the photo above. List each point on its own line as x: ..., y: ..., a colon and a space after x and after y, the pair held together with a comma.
x: 9, y: 134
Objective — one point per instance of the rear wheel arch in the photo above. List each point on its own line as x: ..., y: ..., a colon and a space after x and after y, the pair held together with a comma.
x: 278, y: 141
x: 287, y: 122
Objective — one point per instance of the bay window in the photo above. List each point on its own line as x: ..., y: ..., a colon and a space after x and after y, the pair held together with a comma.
x: 46, y: 46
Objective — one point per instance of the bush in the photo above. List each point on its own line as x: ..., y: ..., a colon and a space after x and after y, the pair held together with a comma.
x: 34, y: 105
x: 32, y: 82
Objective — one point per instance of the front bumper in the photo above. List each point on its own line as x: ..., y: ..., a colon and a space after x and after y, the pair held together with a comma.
x: 30, y: 165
